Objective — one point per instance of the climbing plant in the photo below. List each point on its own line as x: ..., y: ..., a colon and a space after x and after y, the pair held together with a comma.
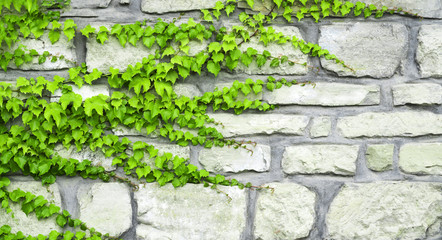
x: 144, y: 100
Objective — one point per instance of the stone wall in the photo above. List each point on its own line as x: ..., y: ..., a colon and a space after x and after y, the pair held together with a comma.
x: 359, y: 156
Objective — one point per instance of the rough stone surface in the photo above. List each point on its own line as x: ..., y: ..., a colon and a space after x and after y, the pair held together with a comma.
x: 276, y: 50
x: 424, y: 8
x: 429, y: 51
x: 90, y: 4
x: 189, y: 90
x: 107, y: 207
x: 385, y: 210
x: 236, y: 160
x: 97, y: 158
x: 164, y: 6
x: 422, y: 93
x: 190, y: 212
x: 383, y: 124
x: 380, y: 157
x: 320, y: 159
x: 86, y: 91
x: 30, y: 225
x: 286, y: 213
x: 371, y: 49
x: 326, y: 94
x: 112, y: 54
x: 245, y: 124
x: 62, y: 47
x: 421, y: 158
x: 321, y: 127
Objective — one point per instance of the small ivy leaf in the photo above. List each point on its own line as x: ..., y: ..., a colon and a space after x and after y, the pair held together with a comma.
x: 274, y: 62
x: 97, y: 103
x: 213, y: 67
x: 251, y: 3
x: 88, y: 30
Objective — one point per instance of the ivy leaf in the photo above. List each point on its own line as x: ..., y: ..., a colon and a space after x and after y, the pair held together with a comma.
x: 251, y: 3
x: 278, y: 2
x: 54, y: 36
x: 54, y: 110
x: 214, y: 46
x: 213, y: 67
x: 97, y: 103
x: 148, y: 41
x: 70, y: 97
x: 86, y: 31
x: 139, y: 82
x: 61, y: 220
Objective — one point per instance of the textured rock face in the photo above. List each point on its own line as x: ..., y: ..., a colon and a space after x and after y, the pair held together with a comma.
x: 390, y: 124
x: 107, y: 207
x: 423, y: 8
x: 320, y: 159
x: 244, y: 124
x: 380, y: 157
x: 286, y: 213
x: 30, y: 225
x: 424, y: 93
x: 97, y: 158
x: 60, y: 48
x: 421, y: 158
x: 190, y: 212
x: 371, y: 49
x: 276, y: 50
x: 236, y: 160
x: 429, y: 51
x: 164, y: 6
x: 112, y: 54
x: 321, y: 127
x: 89, y: 3
x: 86, y: 91
x: 385, y: 210
x: 326, y: 94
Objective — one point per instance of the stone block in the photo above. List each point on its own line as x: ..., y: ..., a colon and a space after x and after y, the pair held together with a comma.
x: 326, y: 94
x: 421, y: 158
x: 106, y: 207
x: 321, y: 127
x: 97, y: 158
x: 386, y: 210
x: 256, y: 158
x: 429, y: 50
x: 191, y: 212
x: 421, y: 93
x: 382, y: 124
x: 424, y: 8
x: 30, y: 225
x: 61, y: 48
x: 165, y: 6
x: 320, y: 159
x: 380, y: 157
x: 276, y: 50
x: 287, y: 213
x: 246, y: 124
x: 86, y: 91
x: 372, y: 49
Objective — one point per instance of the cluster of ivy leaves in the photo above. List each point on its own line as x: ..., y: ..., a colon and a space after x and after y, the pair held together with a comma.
x: 145, y: 101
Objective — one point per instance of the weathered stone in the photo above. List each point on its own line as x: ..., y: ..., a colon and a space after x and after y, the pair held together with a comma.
x: 423, y: 8
x: 190, y: 212
x: 30, y: 225
x: 385, y: 210
x: 164, y: 6
x: 276, y: 50
x: 122, y: 130
x: 90, y: 4
x: 326, y: 94
x: 106, y: 207
x: 371, y: 49
x: 255, y: 158
x: 286, y: 213
x: 383, y: 124
x: 320, y: 159
x: 380, y: 157
x: 429, y: 50
x: 265, y: 6
x: 188, y: 90
x: 422, y: 93
x: 61, y: 48
x: 124, y: 1
x: 86, y: 91
x: 112, y: 54
x: 321, y: 127
x: 97, y: 158
x: 421, y: 158
x: 245, y: 124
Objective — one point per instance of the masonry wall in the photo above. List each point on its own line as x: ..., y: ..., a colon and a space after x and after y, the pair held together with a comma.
x: 358, y: 156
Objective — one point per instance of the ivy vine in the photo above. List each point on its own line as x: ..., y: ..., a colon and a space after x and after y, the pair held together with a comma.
x: 146, y: 101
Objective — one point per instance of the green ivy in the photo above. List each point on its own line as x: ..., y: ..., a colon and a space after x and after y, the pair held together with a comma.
x: 146, y: 100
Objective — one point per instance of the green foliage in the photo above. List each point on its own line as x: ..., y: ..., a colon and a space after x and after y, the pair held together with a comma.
x: 152, y: 107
